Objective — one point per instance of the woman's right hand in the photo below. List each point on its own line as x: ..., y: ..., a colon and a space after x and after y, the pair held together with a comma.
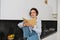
x: 25, y: 24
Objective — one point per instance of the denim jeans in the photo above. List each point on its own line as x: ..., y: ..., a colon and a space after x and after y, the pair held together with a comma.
x: 29, y: 35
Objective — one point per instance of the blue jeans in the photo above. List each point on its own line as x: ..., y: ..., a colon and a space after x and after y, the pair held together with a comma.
x: 30, y: 36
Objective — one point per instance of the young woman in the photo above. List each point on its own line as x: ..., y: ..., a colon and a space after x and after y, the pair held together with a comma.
x: 36, y: 30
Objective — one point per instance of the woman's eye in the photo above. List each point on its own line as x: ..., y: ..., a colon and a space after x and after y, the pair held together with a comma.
x: 33, y: 12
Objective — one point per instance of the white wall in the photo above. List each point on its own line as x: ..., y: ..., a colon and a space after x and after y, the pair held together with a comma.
x: 16, y: 9
x: 58, y: 20
x: 53, y: 3
x: 0, y: 8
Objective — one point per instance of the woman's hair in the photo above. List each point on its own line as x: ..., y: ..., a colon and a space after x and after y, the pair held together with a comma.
x: 35, y: 11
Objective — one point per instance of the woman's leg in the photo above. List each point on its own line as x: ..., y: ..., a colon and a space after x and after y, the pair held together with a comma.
x: 26, y: 32
x: 30, y: 36
x: 33, y: 36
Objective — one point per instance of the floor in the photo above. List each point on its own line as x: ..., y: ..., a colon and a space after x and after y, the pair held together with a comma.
x: 51, y: 37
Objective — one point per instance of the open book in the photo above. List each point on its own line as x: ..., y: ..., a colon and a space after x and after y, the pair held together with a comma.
x: 31, y: 21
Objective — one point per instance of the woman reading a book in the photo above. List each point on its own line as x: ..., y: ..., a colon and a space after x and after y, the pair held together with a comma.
x: 31, y: 27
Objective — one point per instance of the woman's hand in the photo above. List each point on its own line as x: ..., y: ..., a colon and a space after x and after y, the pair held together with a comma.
x: 24, y: 24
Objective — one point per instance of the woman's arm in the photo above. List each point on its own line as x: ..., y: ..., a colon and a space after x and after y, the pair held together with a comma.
x: 37, y: 27
x: 20, y: 25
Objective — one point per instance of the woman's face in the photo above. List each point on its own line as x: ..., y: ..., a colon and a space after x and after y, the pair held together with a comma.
x: 33, y: 13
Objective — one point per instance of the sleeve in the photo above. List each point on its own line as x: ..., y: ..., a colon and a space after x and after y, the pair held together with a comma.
x: 20, y: 25
x: 37, y: 27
